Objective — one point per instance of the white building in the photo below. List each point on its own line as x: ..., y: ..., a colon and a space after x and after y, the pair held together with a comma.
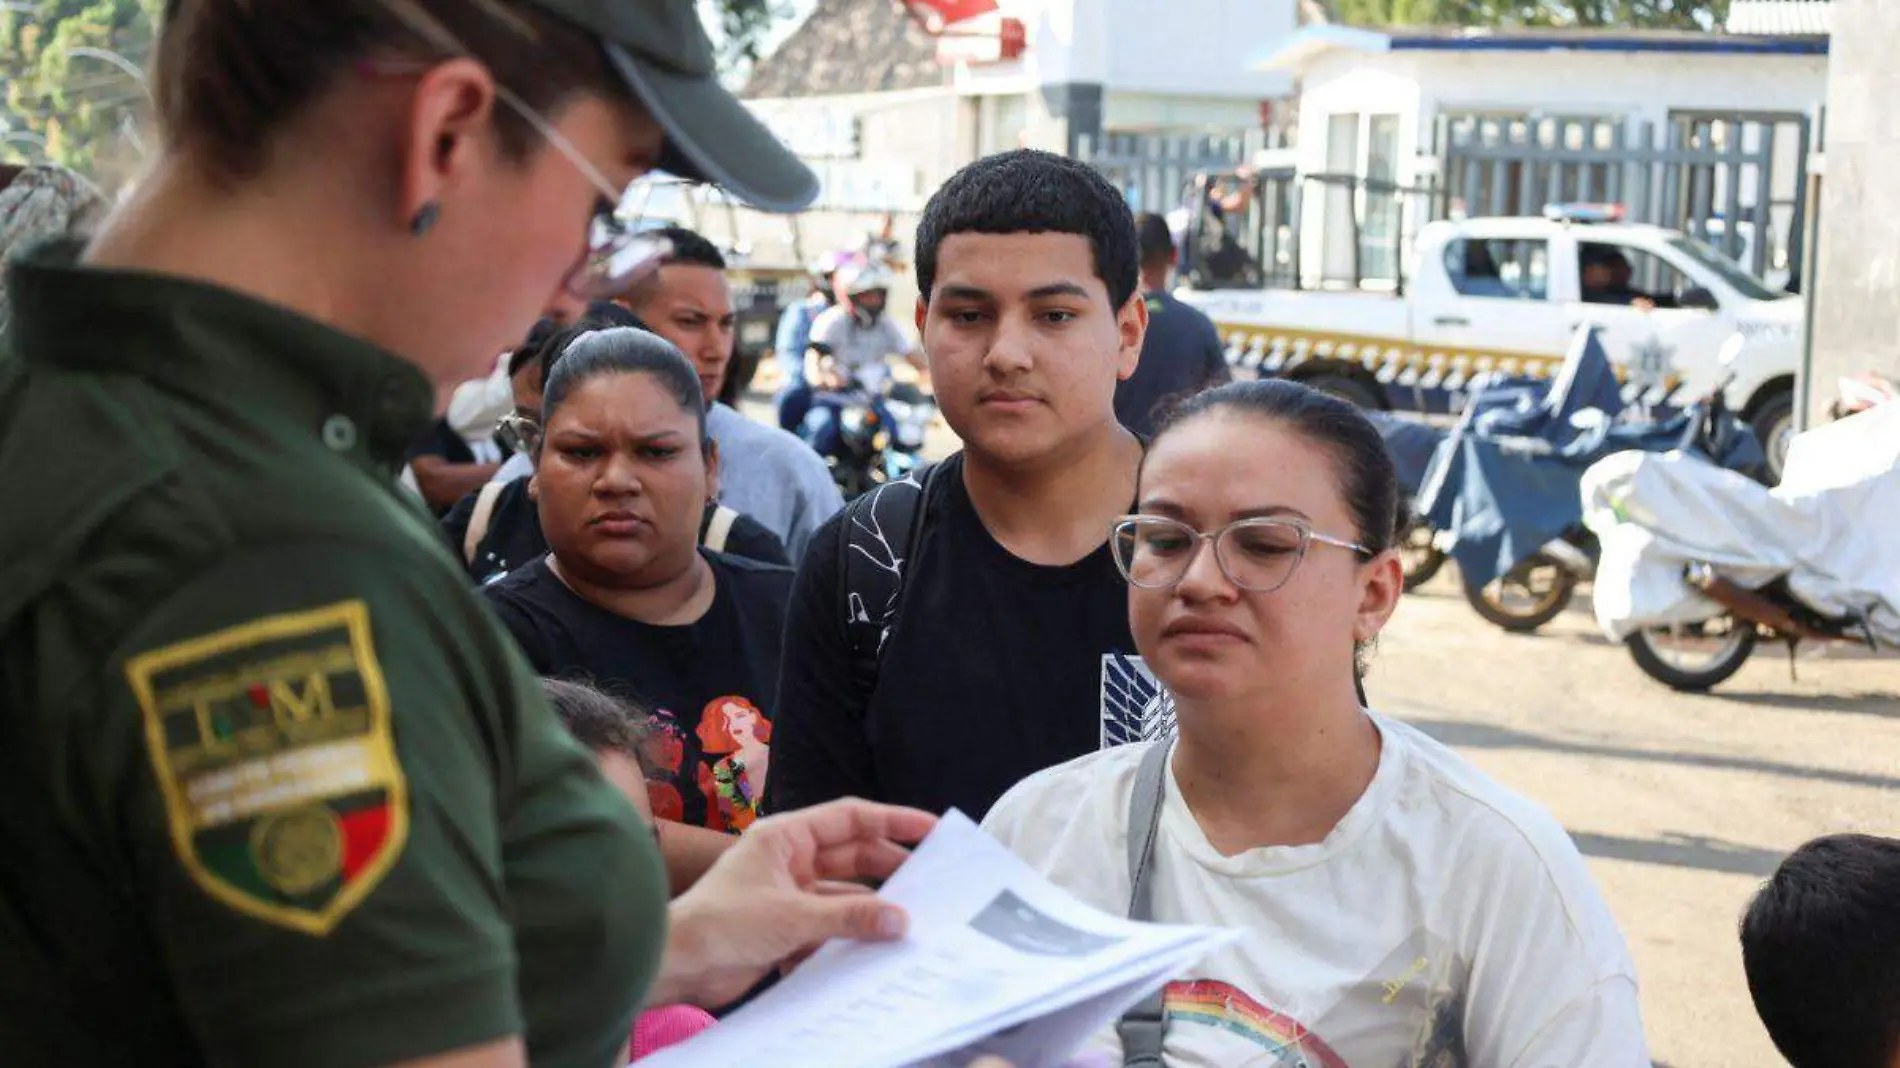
x: 1381, y: 105
x: 1369, y: 96
x: 885, y: 110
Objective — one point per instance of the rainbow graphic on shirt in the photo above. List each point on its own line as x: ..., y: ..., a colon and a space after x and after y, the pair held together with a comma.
x: 1216, y: 1004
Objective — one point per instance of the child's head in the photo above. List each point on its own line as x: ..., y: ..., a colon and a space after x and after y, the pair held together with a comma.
x: 611, y: 729
x: 1027, y: 275
x: 1821, y: 947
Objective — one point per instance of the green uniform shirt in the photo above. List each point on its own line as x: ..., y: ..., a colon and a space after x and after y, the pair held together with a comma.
x: 274, y: 787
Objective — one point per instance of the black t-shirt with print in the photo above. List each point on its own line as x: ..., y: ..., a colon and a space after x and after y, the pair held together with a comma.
x: 514, y: 536
x: 996, y: 669
x: 709, y: 685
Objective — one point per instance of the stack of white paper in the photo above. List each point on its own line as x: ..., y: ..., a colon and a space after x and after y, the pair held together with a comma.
x: 998, y: 961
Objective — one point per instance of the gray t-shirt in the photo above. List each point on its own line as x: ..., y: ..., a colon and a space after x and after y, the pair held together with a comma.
x: 773, y: 477
x: 860, y: 350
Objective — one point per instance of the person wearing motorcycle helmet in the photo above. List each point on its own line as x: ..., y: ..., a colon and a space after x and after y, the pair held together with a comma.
x: 849, y: 346
x: 794, y: 337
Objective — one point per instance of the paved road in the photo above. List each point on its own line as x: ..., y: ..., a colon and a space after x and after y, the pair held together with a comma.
x: 1682, y: 804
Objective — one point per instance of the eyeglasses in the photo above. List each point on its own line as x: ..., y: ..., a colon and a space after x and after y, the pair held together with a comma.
x: 618, y: 255
x: 1260, y: 555
x: 519, y: 433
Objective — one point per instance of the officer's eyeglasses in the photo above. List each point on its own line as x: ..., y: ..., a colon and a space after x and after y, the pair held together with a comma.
x: 519, y: 433
x: 618, y: 255
x: 1260, y: 555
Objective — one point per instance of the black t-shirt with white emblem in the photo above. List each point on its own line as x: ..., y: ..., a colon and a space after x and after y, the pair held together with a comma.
x: 996, y: 669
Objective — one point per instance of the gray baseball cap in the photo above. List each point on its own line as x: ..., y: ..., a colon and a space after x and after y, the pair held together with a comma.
x: 662, y: 51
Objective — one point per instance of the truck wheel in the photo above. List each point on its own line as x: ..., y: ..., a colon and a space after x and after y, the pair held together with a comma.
x: 1774, y: 425
x: 1347, y: 389
x: 1693, y: 657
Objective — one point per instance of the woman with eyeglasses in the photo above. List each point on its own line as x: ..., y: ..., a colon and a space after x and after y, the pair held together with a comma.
x: 628, y: 599
x: 1395, y: 905
x: 275, y: 787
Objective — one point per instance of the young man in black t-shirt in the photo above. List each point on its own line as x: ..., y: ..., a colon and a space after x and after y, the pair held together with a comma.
x: 1010, y: 651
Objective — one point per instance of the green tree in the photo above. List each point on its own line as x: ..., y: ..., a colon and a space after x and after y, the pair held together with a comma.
x: 74, y: 88
x: 87, y: 112
x: 1601, y: 14
x: 742, y: 26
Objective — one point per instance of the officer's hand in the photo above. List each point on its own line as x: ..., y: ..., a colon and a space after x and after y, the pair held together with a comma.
x: 768, y: 899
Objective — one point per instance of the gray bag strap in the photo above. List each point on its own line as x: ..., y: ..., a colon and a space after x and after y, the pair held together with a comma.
x: 720, y: 530
x: 478, y: 520
x: 1142, y: 1027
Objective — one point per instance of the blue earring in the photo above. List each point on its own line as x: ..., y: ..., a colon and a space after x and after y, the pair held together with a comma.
x: 425, y: 218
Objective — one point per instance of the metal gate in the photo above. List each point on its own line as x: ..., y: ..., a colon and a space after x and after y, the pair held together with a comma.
x: 1156, y: 172
x: 1734, y: 179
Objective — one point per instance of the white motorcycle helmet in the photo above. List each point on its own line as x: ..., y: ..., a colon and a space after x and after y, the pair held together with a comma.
x: 861, y: 282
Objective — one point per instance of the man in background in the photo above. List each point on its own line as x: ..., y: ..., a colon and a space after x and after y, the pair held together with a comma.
x: 794, y: 337
x: 764, y: 472
x: 1182, y: 354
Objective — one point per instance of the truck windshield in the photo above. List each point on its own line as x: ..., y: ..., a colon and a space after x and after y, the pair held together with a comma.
x: 1744, y: 283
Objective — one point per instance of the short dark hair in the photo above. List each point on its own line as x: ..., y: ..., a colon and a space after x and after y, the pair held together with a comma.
x: 1362, y: 468
x: 1029, y: 192
x: 1821, y: 949
x: 226, y: 77
x: 520, y: 359
x: 597, y: 719
x: 623, y: 350
x: 553, y: 344
x: 691, y: 248
x: 1155, y: 239
x: 605, y: 313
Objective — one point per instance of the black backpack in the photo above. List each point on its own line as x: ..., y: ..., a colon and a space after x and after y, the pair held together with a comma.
x: 883, y: 532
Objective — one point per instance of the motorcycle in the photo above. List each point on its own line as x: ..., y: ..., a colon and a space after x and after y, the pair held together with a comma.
x: 1700, y: 568
x: 880, y: 435
x: 1504, y: 485
x: 1411, y: 444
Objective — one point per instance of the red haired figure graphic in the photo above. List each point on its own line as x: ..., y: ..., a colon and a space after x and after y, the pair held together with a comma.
x: 665, y: 751
x: 737, y: 733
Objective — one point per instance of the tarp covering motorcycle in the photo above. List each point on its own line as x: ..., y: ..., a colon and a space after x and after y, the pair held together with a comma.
x: 1829, y: 528
x: 1505, y: 482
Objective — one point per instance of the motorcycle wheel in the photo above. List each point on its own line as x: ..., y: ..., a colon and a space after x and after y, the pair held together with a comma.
x: 1419, y: 557
x: 1530, y: 595
x: 1693, y: 657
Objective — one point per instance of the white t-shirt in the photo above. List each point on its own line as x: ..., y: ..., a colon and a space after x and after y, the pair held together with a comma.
x: 1445, y: 923
x: 859, y: 349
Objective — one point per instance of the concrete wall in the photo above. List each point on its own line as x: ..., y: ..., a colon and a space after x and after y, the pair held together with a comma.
x: 907, y: 143
x: 1857, y: 286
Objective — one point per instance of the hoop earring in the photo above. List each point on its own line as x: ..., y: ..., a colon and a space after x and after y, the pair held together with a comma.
x: 424, y: 219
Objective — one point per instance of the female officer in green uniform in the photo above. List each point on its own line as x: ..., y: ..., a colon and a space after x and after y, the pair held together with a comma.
x: 274, y: 788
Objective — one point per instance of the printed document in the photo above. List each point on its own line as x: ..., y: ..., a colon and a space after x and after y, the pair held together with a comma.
x: 998, y: 961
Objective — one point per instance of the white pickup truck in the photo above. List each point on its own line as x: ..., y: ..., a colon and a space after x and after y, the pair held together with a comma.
x: 1508, y: 295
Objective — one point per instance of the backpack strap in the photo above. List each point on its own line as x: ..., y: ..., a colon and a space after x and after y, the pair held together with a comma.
x: 1142, y: 1028
x: 883, y: 532
x: 719, y: 530
x: 478, y: 520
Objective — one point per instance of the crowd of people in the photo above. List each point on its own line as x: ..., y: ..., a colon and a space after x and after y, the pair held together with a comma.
x: 618, y: 708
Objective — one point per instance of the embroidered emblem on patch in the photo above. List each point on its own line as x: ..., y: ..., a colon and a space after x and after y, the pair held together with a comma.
x: 272, y: 746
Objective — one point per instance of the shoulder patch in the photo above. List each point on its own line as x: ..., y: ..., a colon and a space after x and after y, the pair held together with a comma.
x: 273, y: 749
